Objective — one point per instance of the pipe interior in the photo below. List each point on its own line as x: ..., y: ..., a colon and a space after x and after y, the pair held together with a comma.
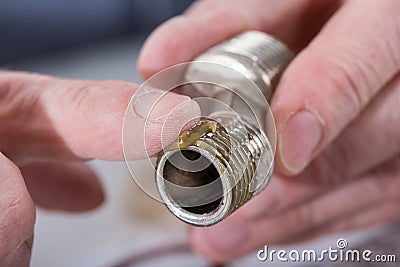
x: 191, y: 171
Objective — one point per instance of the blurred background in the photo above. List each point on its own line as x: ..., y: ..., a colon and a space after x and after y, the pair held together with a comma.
x: 101, y: 39
x: 31, y: 28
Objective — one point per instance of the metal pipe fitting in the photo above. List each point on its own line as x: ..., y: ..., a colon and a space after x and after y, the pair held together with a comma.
x: 227, y: 158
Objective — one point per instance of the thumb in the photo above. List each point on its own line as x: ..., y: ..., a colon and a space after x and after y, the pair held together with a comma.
x: 331, y: 82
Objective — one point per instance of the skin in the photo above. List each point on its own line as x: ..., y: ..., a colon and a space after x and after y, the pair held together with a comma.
x: 47, y: 130
x: 338, y: 165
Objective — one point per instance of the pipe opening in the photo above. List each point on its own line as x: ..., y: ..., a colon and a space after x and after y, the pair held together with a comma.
x: 194, y: 182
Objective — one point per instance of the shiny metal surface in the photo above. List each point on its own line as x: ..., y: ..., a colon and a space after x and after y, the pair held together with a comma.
x: 238, y: 151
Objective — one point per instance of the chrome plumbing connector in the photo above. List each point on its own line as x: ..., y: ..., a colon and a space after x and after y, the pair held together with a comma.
x: 227, y: 157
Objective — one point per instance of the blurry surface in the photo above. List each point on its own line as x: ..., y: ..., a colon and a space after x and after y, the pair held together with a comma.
x: 35, y: 27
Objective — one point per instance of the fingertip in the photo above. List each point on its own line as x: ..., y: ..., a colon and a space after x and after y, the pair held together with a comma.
x: 63, y: 186
x: 298, y: 141
x: 334, y: 78
x: 158, y: 118
x: 163, y: 49
x: 182, y: 38
x: 95, y: 194
x: 300, y: 113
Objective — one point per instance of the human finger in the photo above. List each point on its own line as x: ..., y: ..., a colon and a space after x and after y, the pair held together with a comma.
x: 242, y: 235
x: 17, y: 216
x: 210, y: 22
x: 44, y: 117
x: 63, y: 185
x: 368, y: 142
x: 384, y: 212
x: 331, y: 81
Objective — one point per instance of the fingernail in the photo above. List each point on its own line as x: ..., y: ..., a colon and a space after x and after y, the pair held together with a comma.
x: 224, y: 237
x: 300, y: 137
x: 153, y: 104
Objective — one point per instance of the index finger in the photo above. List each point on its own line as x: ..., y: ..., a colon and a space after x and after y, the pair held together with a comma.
x: 49, y: 118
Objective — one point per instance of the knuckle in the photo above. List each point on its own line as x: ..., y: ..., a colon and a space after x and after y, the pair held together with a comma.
x: 351, y: 77
x: 94, y: 109
x: 75, y: 94
x: 84, y: 94
x: 15, y: 99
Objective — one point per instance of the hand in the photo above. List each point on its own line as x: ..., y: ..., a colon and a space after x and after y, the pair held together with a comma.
x: 48, y: 127
x: 336, y: 110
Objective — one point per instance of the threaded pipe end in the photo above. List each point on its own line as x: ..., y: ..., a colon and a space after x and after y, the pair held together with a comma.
x: 202, y: 194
